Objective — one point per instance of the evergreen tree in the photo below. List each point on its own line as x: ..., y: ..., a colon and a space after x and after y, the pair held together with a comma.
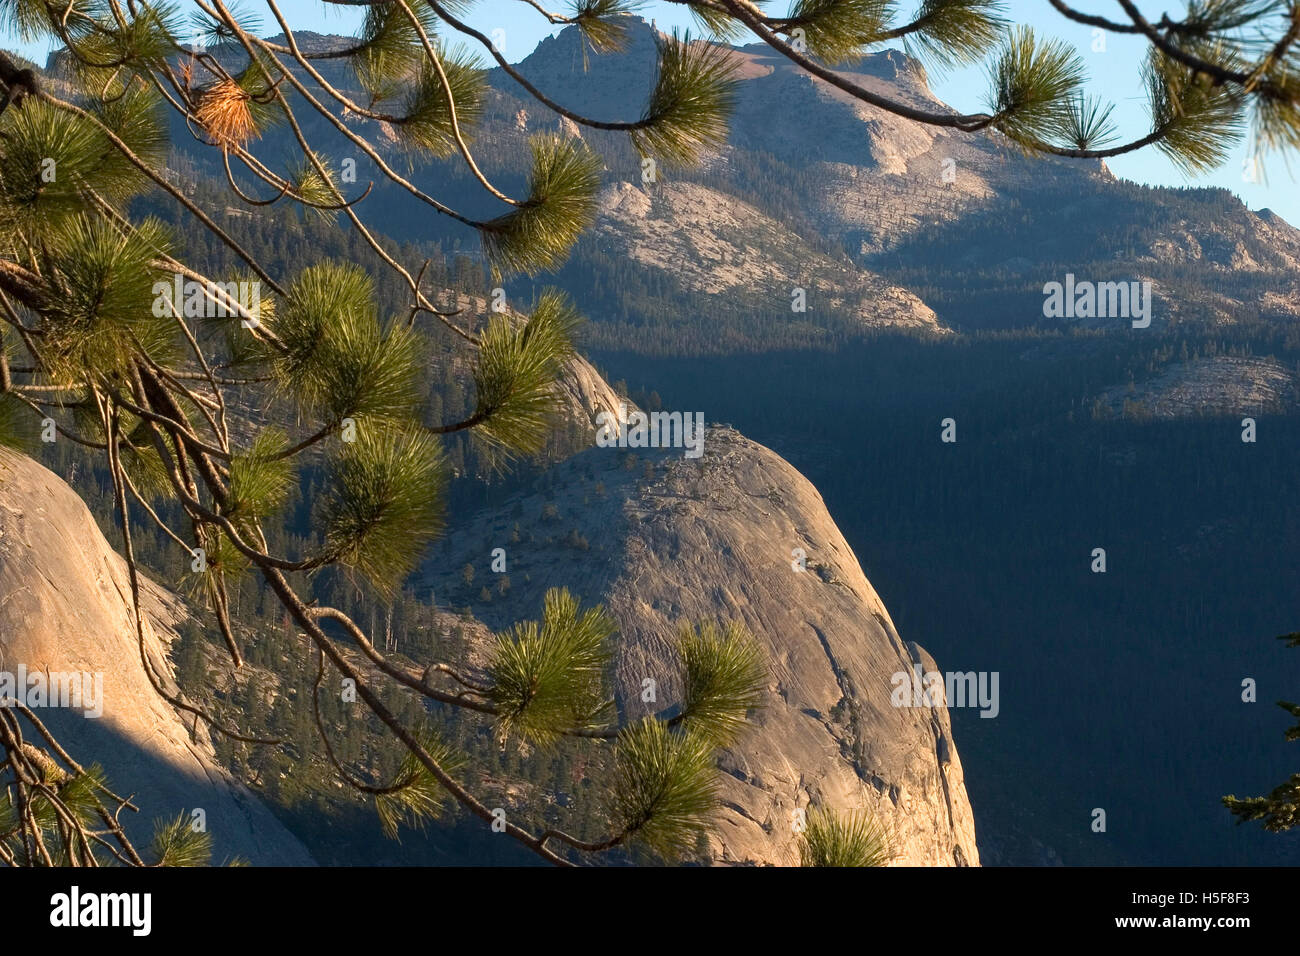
x: 1280, y: 809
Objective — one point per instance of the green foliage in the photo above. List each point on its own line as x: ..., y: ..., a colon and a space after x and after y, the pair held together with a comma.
x: 314, y: 186
x: 48, y: 158
x: 135, y: 117
x: 1089, y: 123
x: 51, y: 157
x: 107, y: 47
x: 384, y: 503
x: 853, y: 839
x: 515, y: 371
x: 418, y: 797
x: 561, y: 204
x: 30, y: 19
x: 1034, y: 84
x: 1199, y: 118
x: 225, y: 565
x: 1277, y: 107
x: 138, y: 453
x: 839, y: 30
x: 1208, y: 18
x: 15, y: 422
x: 217, y: 34
x: 79, y: 792
x: 340, y: 362
x: 723, y: 677
x: 664, y: 793
x: 427, y: 121
x: 717, y: 21
x: 692, y: 99
x: 68, y: 796
x: 260, y: 479
x: 252, y: 352
x: 100, y: 312
x: 601, y: 22
x: 548, y: 677
x: 954, y: 32
x: 109, y: 50
x: 390, y: 47
x: 177, y: 843
x: 1280, y: 809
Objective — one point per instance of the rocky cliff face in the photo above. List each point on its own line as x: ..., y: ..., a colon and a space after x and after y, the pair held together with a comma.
x: 717, y: 245
x: 65, y: 606
x: 662, y: 540
x: 729, y: 249
x: 1220, y: 386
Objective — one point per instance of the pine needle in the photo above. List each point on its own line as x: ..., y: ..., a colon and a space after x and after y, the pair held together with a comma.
x: 852, y: 839
x: 223, y: 112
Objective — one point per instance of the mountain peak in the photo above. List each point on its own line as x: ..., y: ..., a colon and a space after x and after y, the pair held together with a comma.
x: 311, y: 42
x: 568, y: 47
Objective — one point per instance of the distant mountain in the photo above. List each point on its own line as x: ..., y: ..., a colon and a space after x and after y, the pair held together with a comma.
x: 965, y: 222
x: 883, y: 222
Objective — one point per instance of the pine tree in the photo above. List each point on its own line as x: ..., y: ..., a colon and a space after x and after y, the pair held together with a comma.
x: 1280, y: 809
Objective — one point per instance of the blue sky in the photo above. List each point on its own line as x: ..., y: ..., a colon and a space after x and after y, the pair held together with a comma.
x: 1114, y: 72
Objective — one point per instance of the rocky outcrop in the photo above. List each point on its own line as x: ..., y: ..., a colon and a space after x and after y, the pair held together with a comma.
x: 65, y: 606
x: 1220, y: 386
x: 705, y: 241
x: 586, y: 394
x: 662, y: 539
